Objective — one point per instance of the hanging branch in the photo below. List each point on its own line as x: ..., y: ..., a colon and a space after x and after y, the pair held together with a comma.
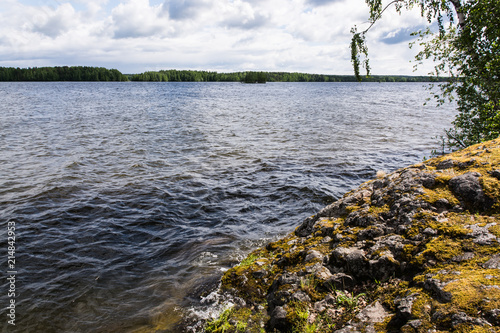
x: 358, y: 42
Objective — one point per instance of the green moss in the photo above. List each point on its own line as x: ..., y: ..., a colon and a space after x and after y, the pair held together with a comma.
x: 220, y: 324
x: 442, y: 248
x: 495, y: 230
x: 297, y: 315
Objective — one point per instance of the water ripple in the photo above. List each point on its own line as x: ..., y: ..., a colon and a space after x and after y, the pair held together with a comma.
x: 128, y: 197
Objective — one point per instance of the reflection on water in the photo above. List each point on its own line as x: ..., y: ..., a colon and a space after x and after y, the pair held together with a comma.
x: 131, y: 198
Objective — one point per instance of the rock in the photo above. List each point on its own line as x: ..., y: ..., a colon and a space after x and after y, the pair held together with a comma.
x: 390, y: 236
x: 339, y: 281
x: 307, y: 227
x: 436, y: 287
x: 313, y: 255
x: 370, y: 233
x: 384, y: 267
x: 301, y: 297
x: 446, y: 164
x: 495, y: 173
x: 493, y: 262
x: 428, y: 180
x: 352, y: 260
x: 323, y: 274
x: 404, y: 306
x: 481, y: 234
x: 463, y: 257
x: 374, y: 313
x: 493, y: 317
x: 462, y: 318
x: 278, y: 318
x: 469, y: 189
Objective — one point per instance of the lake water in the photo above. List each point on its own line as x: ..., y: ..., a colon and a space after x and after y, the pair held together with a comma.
x: 127, y: 197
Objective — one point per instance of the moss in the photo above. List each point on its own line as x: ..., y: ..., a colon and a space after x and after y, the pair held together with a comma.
x: 473, y: 292
x: 297, y: 315
x: 495, y: 230
x: 220, y: 324
x: 442, y: 248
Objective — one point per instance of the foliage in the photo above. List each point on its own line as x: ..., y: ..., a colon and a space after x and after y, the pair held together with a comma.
x: 65, y: 73
x: 466, y: 47
x: 348, y: 299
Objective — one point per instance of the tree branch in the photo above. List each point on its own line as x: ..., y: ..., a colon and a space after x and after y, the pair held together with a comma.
x: 380, y: 14
x: 460, y: 13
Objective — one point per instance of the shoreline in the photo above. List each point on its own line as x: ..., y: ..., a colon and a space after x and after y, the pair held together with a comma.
x: 414, y: 250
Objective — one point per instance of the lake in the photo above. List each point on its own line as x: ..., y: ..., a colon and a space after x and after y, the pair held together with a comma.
x: 129, y: 199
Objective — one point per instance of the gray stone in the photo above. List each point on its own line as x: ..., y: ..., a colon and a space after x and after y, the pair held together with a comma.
x: 278, y: 318
x: 446, y: 164
x: 463, y: 257
x: 495, y: 173
x: 351, y: 260
x: 493, y: 262
x: 313, y: 255
x: 301, y: 296
x: 374, y: 313
x: 468, y: 188
x: 404, y: 306
x: 436, y: 287
x: 428, y: 180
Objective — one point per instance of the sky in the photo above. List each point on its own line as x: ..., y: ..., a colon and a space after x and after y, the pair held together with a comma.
x: 134, y: 36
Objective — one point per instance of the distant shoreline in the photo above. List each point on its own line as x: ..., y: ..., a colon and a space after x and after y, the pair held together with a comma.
x: 100, y: 74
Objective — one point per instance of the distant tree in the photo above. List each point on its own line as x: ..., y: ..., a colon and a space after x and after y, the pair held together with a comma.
x: 466, y: 47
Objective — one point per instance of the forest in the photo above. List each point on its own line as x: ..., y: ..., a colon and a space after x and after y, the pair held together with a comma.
x: 261, y: 77
x: 64, y: 73
x: 85, y: 73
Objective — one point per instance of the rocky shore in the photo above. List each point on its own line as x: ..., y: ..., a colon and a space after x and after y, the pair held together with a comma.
x: 416, y: 250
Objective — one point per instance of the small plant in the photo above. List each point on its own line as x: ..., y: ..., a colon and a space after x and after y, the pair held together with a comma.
x: 348, y: 299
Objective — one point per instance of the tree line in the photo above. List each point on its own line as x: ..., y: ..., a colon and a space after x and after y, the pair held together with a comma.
x: 261, y: 77
x: 64, y: 73
x: 85, y: 73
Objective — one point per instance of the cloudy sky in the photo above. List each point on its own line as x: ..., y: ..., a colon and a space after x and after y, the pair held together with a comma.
x: 134, y: 36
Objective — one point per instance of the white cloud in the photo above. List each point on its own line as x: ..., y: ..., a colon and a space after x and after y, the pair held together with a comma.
x: 136, y: 18
x: 224, y: 35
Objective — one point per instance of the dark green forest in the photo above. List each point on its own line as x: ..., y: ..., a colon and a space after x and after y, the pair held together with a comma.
x: 65, y: 73
x: 261, y: 77
x: 85, y: 73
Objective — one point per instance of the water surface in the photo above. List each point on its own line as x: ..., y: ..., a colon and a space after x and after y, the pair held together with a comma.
x: 127, y: 196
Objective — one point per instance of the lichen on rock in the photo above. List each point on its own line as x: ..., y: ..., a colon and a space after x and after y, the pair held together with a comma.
x: 416, y: 250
